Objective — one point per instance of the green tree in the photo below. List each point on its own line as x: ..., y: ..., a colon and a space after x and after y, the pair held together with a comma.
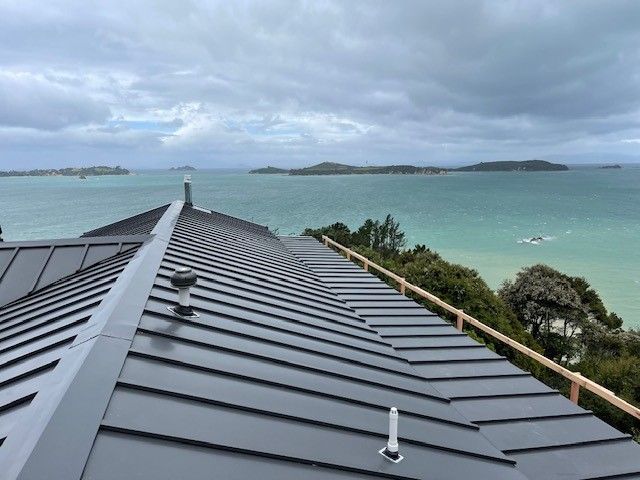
x: 546, y: 303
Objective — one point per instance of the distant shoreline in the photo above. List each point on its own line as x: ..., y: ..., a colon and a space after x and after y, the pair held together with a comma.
x: 67, y: 172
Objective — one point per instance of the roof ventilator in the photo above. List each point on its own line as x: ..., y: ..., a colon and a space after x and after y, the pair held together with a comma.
x: 183, y: 279
x: 390, y: 452
x: 187, y: 190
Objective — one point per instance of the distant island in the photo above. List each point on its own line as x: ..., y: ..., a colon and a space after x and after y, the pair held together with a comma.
x: 606, y: 167
x: 184, y: 168
x: 514, y: 166
x: 67, y: 172
x: 269, y: 170
x: 332, y: 168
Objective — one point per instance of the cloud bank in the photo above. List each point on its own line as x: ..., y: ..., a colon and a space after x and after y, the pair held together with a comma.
x: 237, y: 84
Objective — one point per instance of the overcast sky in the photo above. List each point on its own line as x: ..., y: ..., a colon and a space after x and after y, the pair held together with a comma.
x: 236, y: 84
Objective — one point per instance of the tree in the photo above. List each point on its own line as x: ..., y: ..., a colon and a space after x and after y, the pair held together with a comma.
x: 546, y: 303
x: 337, y: 231
x: 385, y: 237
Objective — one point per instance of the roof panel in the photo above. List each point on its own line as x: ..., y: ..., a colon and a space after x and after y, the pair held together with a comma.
x: 550, y: 437
x: 34, y: 334
x: 33, y: 265
x: 220, y: 426
x: 161, y: 459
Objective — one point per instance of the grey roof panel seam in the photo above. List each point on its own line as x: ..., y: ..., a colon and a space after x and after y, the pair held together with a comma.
x: 44, y: 265
x: 235, y: 406
x: 141, y: 354
x: 292, y: 364
x: 621, y: 438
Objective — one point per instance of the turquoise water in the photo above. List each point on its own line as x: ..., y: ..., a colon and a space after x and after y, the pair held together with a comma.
x: 591, y: 216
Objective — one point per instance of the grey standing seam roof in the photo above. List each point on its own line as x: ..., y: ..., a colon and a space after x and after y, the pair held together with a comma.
x: 26, y: 267
x: 288, y: 372
x: 142, y: 223
x: 548, y: 436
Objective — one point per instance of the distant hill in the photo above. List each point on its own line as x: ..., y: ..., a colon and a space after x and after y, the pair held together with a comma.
x: 331, y: 168
x: 67, y: 172
x: 185, y: 168
x: 269, y: 170
x: 523, y: 166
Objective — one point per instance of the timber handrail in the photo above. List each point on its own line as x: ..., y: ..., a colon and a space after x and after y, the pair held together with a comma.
x: 576, y: 379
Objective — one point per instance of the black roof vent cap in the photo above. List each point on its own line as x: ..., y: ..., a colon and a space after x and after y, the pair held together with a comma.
x: 183, y: 279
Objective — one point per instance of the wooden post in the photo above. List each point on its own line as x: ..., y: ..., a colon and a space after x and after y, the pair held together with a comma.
x: 348, y: 255
x: 403, y: 287
x: 365, y: 265
x: 460, y: 321
x: 575, y: 391
x: 326, y: 242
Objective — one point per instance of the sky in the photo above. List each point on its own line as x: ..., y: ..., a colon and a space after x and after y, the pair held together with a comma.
x: 235, y: 84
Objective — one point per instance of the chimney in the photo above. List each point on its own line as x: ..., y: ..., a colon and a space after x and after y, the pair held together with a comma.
x: 187, y: 190
x: 183, y: 279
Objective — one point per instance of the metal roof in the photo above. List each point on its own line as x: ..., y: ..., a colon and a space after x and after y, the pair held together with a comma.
x: 26, y: 267
x: 282, y: 375
x: 36, y: 333
x: 548, y: 436
x: 138, y: 224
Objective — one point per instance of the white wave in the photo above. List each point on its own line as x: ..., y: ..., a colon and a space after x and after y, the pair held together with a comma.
x: 537, y: 240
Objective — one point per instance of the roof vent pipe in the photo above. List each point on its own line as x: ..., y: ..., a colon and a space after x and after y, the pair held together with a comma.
x: 187, y: 190
x: 183, y: 279
x: 391, y: 450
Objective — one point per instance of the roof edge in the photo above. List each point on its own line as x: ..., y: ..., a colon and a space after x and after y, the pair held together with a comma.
x: 92, y: 365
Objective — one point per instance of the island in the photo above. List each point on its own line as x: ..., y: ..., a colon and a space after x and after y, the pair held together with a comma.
x: 606, y: 167
x: 331, y: 168
x: 184, y: 168
x: 67, y: 172
x: 514, y: 166
x: 269, y: 170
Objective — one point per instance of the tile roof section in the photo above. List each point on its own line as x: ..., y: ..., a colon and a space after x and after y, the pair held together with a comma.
x: 548, y: 436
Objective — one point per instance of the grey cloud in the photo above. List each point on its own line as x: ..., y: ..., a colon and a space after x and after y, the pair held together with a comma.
x: 254, y: 82
x: 34, y: 102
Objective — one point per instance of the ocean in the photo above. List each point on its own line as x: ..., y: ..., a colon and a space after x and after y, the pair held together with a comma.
x: 589, y: 218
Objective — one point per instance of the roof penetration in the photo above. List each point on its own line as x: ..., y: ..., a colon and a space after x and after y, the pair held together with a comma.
x: 288, y: 371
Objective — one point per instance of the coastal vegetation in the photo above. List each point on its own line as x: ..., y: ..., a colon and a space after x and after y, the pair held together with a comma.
x: 515, y: 166
x: 269, y: 170
x: 331, y: 168
x: 67, y: 172
x: 558, y: 315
